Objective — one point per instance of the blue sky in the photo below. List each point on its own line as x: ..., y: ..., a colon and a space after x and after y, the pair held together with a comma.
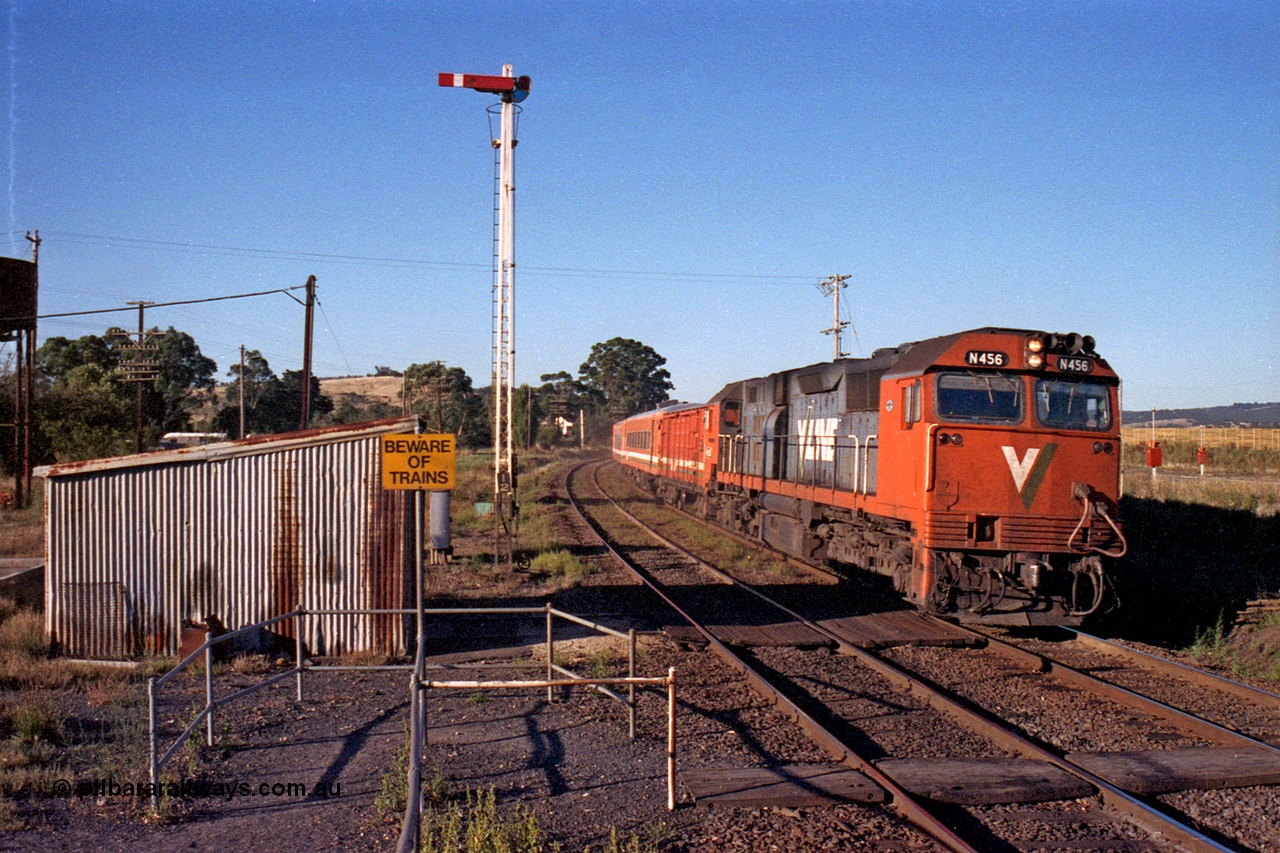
x: 687, y: 173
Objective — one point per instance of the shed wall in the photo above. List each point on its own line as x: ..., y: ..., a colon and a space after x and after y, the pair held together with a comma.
x: 134, y: 551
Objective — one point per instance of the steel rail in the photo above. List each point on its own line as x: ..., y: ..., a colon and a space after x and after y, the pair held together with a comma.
x: 1181, y: 670
x: 1120, y: 695
x: 782, y: 556
x: 982, y: 722
x: 900, y: 800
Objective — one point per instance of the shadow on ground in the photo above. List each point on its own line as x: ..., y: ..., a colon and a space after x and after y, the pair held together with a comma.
x: 1188, y: 567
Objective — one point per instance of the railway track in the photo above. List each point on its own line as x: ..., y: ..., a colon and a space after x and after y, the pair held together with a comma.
x: 842, y: 701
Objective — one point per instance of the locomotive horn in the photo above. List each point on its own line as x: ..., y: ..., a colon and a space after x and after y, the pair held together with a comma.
x: 1074, y: 343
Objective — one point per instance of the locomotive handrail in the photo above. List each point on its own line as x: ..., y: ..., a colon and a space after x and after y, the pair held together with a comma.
x: 857, y: 461
x: 928, y: 458
x: 866, y: 450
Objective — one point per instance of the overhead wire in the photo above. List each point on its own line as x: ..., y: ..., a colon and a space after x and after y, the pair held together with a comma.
x: 284, y: 290
x: 329, y: 325
x: 251, y: 252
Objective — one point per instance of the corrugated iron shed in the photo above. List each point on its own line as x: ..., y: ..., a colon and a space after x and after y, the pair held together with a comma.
x: 243, y: 530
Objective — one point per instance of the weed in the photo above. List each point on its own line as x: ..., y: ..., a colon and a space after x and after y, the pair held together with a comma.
x: 600, y: 663
x: 1260, y: 497
x: 36, y: 720
x: 22, y: 530
x: 437, y: 788
x: 472, y: 824
x: 476, y: 827
x: 22, y: 635
x: 394, y: 792
x: 478, y: 698
x: 251, y: 664
x: 559, y: 563
x: 368, y: 657
x: 124, y: 751
x: 1210, y: 643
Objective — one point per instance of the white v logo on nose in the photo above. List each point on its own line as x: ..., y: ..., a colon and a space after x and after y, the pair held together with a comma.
x: 1020, y: 468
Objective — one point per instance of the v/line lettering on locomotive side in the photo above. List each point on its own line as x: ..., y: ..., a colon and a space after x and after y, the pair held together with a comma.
x: 818, y: 438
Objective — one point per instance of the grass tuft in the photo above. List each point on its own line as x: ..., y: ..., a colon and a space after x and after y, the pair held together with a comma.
x: 559, y: 563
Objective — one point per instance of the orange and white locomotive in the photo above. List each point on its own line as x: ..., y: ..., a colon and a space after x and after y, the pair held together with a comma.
x: 980, y: 470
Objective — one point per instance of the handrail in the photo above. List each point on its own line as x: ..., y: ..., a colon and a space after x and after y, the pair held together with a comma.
x: 866, y: 451
x: 929, y: 452
x: 157, y: 762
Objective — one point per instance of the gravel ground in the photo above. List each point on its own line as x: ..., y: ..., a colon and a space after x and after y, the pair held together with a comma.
x: 1074, y: 721
x: 570, y: 759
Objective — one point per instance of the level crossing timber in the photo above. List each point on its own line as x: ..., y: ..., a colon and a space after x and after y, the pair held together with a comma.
x: 868, y: 631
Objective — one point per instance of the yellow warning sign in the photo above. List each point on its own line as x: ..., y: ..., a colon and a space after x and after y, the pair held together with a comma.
x: 427, y: 461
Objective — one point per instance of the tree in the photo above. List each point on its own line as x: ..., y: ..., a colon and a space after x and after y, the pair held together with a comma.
x: 527, y: 416
x: 84, y: 416
x: 625, y: 376
x: 286, y: 406
x: 560, y: 396
x: 186, y: 380
x: 272, y: 404
x: 184, y: 376
x: 445, y: 398
x: 58, y: 356
x: 351, y: 411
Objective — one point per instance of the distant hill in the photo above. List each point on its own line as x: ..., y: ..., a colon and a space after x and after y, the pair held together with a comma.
x: 384, y: 389
x: 1237, y: 414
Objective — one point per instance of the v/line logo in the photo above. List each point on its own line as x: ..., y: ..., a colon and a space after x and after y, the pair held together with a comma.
x: 1028, y: 472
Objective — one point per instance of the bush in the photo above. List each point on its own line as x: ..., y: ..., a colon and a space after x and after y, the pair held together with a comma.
x: 559, y: 563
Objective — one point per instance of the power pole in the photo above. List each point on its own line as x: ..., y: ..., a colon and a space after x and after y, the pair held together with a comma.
x: 306, y: 353
x: 139, y: 364
x: 831, y: 286
x: 512, y: 90
x: 241, y: 392
x: 29, y: 373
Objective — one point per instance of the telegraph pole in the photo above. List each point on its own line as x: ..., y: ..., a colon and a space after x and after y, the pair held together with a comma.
x: 241, y: 395
x: 29, y: 374
x: 306, y: 353
x: 831, y: 286
x: 139, y: 364
x: 512, y: 90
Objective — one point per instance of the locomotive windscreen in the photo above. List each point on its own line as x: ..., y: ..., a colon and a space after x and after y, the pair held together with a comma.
x: 991, y: 397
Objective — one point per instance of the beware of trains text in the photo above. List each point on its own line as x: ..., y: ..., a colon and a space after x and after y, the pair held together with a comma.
x: 427, y: 461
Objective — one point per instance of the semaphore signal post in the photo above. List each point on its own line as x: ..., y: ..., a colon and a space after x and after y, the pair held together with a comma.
x: 511, y: 90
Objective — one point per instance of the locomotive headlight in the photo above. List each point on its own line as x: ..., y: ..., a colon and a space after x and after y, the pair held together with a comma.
x: 1035, y: 345
x: 1035, y: 361
x: 957, y: 439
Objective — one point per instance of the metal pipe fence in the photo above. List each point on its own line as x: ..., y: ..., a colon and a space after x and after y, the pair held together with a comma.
x: 157, y: 761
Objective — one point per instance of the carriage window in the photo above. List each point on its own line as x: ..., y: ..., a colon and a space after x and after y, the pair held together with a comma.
x: 1073, y: 405
x: 980, y: 397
